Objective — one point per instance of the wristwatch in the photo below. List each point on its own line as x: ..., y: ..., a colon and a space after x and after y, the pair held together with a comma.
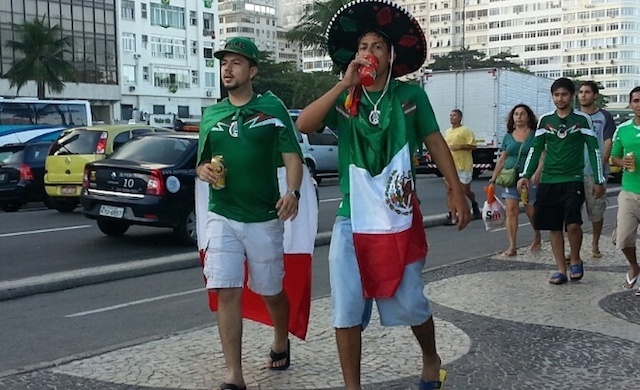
x: 295, y: 193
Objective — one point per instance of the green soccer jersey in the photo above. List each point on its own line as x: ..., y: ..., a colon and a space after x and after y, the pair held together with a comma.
x: 251, y: 146
x: 627, y: 139
x: 564, y: 140
x: 419, y: 121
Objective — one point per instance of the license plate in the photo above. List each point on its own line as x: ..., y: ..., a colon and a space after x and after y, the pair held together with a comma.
x: 110, y: 211
x: 68, y: 190
x: 3, y: 177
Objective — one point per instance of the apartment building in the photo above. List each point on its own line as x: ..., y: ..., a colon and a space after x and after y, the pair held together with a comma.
x: 592, y: 39
x: 91, y: 27
x: 260, y: 21
x: 166, y: 57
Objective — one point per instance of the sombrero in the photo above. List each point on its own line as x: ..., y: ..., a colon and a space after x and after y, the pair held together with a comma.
x: 359, y: 16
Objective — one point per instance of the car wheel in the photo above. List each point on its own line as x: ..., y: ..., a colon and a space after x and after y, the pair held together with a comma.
x: 112, y: 228
x: 64, y: 205
x: 48, y: 202
x: 312, y: 170
x: 185, y: 232
x: 11, y: 207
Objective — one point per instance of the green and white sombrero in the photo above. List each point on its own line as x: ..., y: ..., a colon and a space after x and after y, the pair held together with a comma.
x: 359, y: 16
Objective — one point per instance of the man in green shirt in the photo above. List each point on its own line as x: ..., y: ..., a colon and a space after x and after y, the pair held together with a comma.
x: 254, y: 134
x: 378, y: 245
x: 624, y: 153
x: 563, y: 133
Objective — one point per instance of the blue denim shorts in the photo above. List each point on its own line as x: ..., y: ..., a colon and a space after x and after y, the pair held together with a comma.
x: 409, y: 306
x: 512, y: 193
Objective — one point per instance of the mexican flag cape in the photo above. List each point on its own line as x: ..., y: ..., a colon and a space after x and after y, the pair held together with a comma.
x: 299, y: 234
x: 385, y: 216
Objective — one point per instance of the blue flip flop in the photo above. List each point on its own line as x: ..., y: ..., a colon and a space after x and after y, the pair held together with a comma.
x: 576, y: 269
x: 558, y: 278
x: 433, y: 385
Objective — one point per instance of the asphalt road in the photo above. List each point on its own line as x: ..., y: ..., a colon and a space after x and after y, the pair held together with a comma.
x: 37, y: 241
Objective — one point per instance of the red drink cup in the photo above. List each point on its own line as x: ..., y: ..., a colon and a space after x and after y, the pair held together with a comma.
x: 368, y: 73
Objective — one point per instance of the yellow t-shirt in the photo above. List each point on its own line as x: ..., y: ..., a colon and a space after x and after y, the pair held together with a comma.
x: 461, y: 136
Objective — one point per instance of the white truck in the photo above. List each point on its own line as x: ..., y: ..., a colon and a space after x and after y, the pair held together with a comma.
x: 485, y: 97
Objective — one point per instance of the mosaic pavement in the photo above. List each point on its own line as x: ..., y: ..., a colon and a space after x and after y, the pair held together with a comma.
x: 499, y: 325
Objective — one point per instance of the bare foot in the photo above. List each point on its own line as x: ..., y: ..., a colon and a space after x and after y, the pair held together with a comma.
x: 431, y: 369
x: 510, y: 252
x: 535, y: 247
x: 596, y: 254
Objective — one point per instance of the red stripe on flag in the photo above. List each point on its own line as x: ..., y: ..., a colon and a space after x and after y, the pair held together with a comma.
x: 297, y: 285
x: 382, y: 258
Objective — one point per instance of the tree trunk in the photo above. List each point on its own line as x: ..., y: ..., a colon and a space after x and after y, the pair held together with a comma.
x: 41, y: 89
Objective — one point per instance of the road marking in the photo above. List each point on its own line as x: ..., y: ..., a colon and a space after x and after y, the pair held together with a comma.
x: 133, y: 303
x: 44, y: 231
x: 330, y: 200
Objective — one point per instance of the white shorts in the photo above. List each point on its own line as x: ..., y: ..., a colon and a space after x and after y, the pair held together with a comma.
x: 465, y: 176
x: 627, y: 221
x: 231, y: 242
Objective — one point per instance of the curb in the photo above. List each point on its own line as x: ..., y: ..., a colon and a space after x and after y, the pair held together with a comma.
x: 19, y: 288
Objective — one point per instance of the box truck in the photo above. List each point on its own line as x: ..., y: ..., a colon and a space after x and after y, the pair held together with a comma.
x: 485, y: 97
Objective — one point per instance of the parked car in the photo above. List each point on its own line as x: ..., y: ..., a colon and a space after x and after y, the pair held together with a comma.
x: 319, y: 149
x: 75, y: 148
x: 21, y: 174
x: 148, y: 181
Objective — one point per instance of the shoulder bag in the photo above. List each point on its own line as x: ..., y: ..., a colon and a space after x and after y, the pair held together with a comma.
x: 509, y: 177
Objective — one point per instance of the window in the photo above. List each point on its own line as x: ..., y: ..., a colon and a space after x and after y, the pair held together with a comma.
x: 194, y: 48
x: 183, y: 111
x: 193, y: 19
x: 145, y: 73
x: 145, y: 41
x: 167, y: 16
x: 208, y: 52
x: 129, y: 74
x: 207, y: 21
x: 128, y: 10
x: 210, y: 78
x: 126, y: 111
x: 168, y: 47
x: 158, y: 109
x: 128, y: 42
x: 143, y: 10
x: 166, y: 77
x: 194, y: 77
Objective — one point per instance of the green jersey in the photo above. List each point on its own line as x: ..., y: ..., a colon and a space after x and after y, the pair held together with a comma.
x: 564, y: 139
x: 251, y: 139
x: 627, y: 139
x: 403, y: 102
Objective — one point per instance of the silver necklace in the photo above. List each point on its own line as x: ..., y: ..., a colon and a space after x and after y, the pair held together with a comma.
x: 374, y: 115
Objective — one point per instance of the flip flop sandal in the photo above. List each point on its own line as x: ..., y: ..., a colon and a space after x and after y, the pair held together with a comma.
x: 576, y: 269
x: 286, y: 356
x: 558, y: 278
x: 432, y: 385
x: 629, y: 283
x: 596, y: 254
x: 231, y: 386
x: 638, y: 293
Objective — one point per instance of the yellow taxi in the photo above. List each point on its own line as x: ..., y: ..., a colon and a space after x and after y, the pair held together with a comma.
x: 64, y: 166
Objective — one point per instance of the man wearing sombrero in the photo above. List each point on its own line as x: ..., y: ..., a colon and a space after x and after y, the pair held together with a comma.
x: 378, y: 244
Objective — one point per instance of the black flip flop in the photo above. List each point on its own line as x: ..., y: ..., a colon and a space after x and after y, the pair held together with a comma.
x: 286, y: 356
x: 231, y: 386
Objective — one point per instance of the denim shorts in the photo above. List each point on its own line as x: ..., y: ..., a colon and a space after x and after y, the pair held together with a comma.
x: 512, y: 193
x: 409, y: 306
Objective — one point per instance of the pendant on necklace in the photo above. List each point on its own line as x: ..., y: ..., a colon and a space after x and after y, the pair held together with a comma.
x: 374, y: 117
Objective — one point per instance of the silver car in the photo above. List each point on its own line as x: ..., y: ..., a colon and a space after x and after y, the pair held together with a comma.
x: 320, y: 150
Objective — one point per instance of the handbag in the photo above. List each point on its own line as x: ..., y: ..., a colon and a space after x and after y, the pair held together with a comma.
x: 509, y: 177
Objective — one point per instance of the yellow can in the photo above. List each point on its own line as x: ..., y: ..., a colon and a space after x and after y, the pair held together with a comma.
x: 217, y: 162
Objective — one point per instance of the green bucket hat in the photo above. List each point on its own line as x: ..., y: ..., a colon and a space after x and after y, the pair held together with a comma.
x: 239, y: 45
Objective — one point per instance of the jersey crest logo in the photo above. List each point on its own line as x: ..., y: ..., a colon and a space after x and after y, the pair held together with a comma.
x: 398, y: 192
x: 233, y: 129
x: 562, y: 131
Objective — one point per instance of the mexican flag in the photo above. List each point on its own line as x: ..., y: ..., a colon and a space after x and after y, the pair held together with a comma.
x: 385, y: 215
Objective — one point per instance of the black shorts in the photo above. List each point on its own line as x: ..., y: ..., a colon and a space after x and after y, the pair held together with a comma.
x: 558, y: 205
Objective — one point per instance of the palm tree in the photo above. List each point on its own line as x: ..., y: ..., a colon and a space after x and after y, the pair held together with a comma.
x: 310, y: 30
x: 43, y: 48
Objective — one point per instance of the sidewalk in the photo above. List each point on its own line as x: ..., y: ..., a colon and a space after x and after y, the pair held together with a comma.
x: 499, y: 325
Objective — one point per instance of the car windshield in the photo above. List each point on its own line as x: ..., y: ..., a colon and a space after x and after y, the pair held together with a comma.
x: 10, y: 155
x: 160, y: 150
